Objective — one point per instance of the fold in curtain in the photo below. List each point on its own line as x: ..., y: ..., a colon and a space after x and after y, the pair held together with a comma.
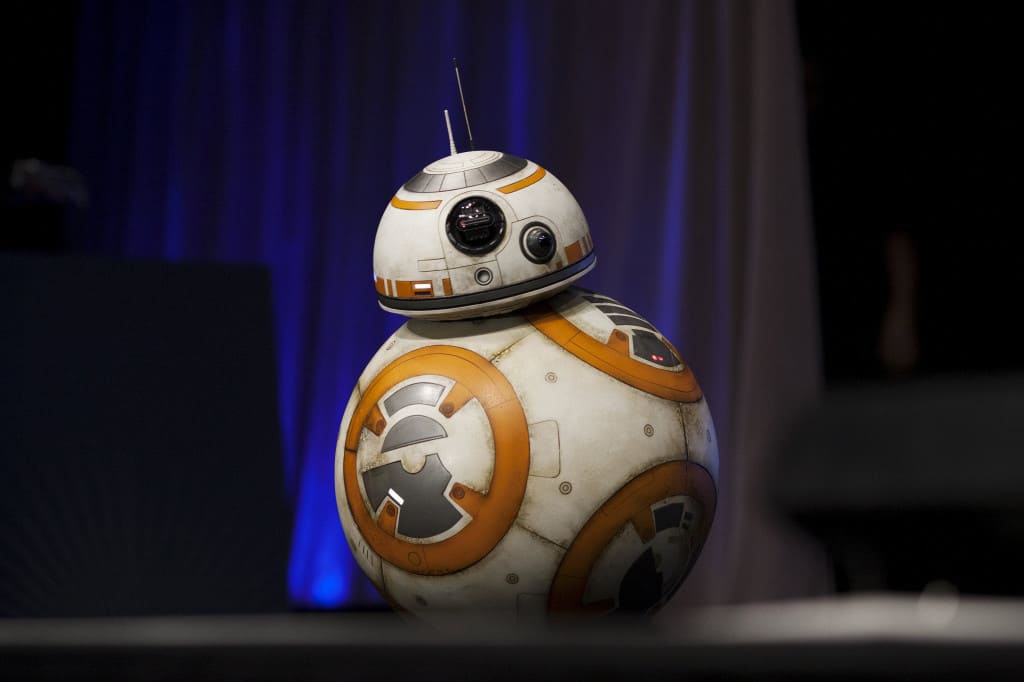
x: 276, y: 132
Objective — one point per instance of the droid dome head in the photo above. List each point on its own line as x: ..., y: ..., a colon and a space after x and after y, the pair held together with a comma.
x: 478, y: 233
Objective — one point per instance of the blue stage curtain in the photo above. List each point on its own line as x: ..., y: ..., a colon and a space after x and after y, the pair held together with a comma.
x: 276, y: 132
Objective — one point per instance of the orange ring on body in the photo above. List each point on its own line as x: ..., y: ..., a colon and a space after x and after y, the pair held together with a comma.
x: 493, y: 512
x: 613, y: 357
x: 631, y: 504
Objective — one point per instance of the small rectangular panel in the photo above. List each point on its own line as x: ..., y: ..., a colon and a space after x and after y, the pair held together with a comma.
x: 415, y: 289
x: 456, y: 180
x: 431, y: 264
x: 433, y: 184
x: 545, y: 457
x: 573, y: 252
x: 474, y: 177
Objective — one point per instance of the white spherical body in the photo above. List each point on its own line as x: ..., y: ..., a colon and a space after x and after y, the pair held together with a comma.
x: 557, y: 459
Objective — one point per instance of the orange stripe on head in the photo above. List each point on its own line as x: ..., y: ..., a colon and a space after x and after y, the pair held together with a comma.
x: 530, y: 179
x: 415, y: 205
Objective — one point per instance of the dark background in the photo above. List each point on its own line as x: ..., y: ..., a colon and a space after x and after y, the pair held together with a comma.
x: 140, y: 470
x: 911, y: 129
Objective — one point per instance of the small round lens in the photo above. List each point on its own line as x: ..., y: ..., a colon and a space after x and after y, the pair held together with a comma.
x: 483, y: 276
x: 538, y: 243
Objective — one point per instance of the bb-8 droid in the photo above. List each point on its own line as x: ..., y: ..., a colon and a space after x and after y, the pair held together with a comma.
x: 520, y: 447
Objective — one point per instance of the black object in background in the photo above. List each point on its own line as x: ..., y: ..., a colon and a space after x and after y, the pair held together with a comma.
x: 913, y: 485
x: 140, y: 464
x: 913, y: 127
x: 909, y: 471
x: 37, y: 48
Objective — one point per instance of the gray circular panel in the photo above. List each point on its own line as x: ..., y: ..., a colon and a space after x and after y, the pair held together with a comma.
x: 424, y: 182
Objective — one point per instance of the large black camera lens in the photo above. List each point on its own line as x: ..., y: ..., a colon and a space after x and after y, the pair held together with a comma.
x: 475, y: 226
x: 538, y: 243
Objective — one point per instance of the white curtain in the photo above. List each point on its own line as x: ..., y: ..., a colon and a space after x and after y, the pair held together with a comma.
x: 693, y: 175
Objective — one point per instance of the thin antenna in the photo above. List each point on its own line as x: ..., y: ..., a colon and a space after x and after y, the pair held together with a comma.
x: 462, y: 99
x: 451, y: 140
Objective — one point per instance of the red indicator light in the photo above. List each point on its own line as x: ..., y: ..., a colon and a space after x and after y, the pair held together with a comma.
x: 657, y: 358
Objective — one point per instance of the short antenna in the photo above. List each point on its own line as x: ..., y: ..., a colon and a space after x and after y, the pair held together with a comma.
x: 462, y: 99
x: 451, y: 140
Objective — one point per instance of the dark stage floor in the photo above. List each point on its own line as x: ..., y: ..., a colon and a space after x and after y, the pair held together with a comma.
x: 872, y: 637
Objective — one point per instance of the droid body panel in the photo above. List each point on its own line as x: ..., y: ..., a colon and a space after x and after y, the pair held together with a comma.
x: 557, y: 459
x: 478, y: 233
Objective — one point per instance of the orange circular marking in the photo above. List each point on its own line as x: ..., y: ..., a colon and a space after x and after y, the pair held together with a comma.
x: 613, y: 358
x: 493, y: 512
x: 631, y: 504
